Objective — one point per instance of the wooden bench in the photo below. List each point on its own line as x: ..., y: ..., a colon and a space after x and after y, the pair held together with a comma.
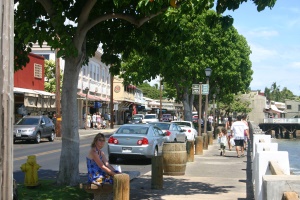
x: 103, y: 192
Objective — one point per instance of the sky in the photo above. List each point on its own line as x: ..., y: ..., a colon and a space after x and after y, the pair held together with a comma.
x: 274, y: 38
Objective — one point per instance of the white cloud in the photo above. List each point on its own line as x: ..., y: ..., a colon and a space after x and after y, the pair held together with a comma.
x: 262, y: 33
x: 260, y: 53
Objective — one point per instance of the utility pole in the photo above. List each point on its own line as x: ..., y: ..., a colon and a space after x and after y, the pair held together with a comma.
x: 200, y: 109
x: 57, y: 96
x: 160, y: 102
x: 111, y: 106
x: 6, y: 98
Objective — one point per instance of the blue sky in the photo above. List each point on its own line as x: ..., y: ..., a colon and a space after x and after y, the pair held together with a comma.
x: 274, y: 38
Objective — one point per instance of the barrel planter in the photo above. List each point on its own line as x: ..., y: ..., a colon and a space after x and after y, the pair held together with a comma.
x: 174, y: 158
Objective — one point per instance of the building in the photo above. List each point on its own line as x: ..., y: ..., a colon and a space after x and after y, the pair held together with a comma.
x: 29, y: 93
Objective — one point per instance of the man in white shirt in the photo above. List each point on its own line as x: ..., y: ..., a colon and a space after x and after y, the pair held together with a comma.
x: 238, y: 130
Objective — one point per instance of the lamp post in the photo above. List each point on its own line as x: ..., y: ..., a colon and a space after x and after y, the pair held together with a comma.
x: 214, y: 107
x: 207, y: 73
x: 160, y: 102
x: 86, y: 90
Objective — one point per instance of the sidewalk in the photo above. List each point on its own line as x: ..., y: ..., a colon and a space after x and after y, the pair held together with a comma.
x: 210, y: 176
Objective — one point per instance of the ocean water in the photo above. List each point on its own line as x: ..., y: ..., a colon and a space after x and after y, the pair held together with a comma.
x: 293, y: 147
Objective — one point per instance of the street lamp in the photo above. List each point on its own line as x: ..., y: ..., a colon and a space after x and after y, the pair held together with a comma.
x: 86, y: 91
x: 207, y: 73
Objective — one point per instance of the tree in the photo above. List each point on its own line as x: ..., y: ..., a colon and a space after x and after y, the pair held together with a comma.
x: 76, y: 28
x: 181, y: 53
x: 274, y: 94
x: 149, y: 91
x: 50, y: 80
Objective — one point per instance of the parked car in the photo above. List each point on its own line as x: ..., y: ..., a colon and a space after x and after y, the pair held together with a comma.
x: 167, y: 117
x: 173, y: 132
x: 135, y: 120
x: 34, y: 128
x: 150, y: 118
x: 135, y: 141
x: 139, y: 115
x: 195, y: 118
x: 189, y: 128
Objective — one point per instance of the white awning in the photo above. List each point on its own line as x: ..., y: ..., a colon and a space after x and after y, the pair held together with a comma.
x: 29, y: 91
x: 274, y: 108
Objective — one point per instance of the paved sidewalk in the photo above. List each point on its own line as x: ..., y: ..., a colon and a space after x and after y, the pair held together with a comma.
x: 210, y: 176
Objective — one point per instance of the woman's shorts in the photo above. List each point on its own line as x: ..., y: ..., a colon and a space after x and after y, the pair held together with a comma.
x: 239, y: 143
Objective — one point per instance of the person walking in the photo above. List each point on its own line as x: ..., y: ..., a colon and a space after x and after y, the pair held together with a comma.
x: 244, y: 119
x: 228, y: 128
x: 223, y: 141
x: 238, y: 129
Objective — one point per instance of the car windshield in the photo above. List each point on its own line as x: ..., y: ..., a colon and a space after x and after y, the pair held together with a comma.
x: 28, y: 121
x: 183, y: 123
x: 132, y: 130
x: 162, y: 126
x: 150, y: 117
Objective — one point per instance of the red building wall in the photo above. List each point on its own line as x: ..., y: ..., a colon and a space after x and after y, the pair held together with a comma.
x: 25, y: 78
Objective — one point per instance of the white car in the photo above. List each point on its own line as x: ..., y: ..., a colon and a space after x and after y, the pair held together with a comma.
x: 189, y: 128
x: 150, y: 118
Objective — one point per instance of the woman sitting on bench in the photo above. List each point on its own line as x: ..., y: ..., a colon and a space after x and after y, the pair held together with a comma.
x: 99, y: 169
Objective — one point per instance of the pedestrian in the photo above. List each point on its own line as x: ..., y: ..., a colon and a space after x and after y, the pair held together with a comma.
x: 238, y: 129
x: 228, y: 128
x: 94, y: 121
x: 98, y: 119
x: 244, y: 119
x: 223, y: 141
x: 99, y: 169
x: 88, y: 121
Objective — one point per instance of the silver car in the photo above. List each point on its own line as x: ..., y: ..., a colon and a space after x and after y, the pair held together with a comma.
x: 135, y: 141
x: 173, y: 132
x: 34, y: 128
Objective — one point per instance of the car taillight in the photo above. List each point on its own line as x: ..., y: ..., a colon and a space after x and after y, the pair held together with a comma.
x: 143, y: 141
x: 168, y: 133
x: 113, y: 140
x: 189, y: 130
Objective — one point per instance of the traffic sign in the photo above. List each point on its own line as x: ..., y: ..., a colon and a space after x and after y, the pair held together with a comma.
x: 196, y: 89
x: 205, y: 89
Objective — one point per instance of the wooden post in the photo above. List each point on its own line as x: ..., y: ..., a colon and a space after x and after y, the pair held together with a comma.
x: 121, y: 187
x: 290, y: 196
x: 157, y: 172
x: 190, y: 150
x: 210, y: 137
x: 205, y: 141
x: 57, y: 96
x: 199, y: 145
x: 6, y: 98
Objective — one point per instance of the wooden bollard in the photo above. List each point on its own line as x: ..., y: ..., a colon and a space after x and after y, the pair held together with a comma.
x: 199, y: 145
x: 290, y: 196
x: 190, y: 150
x: 210, y: 137
x: 121, y: 187
x: 205, y: 141
x: 157, y: 172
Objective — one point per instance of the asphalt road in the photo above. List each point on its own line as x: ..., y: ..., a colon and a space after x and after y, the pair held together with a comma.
x: 48, y: 157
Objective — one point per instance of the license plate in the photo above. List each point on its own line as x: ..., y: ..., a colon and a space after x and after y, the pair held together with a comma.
x: 126, y: 149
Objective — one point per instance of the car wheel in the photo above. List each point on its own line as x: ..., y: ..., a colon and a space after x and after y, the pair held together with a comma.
x: 112, y: 159
x: 38, y: 138
x: 52, y: 136
x: 175, y: 139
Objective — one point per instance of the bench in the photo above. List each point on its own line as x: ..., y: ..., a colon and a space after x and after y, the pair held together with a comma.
x: 103, y: 192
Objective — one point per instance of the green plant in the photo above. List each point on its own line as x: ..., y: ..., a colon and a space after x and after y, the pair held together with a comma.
x: 48, y: 190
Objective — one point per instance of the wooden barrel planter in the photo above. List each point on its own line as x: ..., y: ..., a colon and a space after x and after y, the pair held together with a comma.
x: 174, y: 159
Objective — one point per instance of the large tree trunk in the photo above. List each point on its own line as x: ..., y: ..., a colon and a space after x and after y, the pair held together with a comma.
x: 69, y: 159
x: 6, y: 98
x: 187, y: 104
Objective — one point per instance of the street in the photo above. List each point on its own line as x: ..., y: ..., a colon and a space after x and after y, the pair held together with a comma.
x: 48, y: 156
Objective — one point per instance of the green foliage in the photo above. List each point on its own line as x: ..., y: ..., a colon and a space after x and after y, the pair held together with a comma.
x: 50, y: 79
x: 237, y: 104
x: 274, y: 94
x: 149, y: 91
x: 48, y: 190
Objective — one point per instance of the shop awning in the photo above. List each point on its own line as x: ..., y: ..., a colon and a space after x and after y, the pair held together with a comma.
x: 90, y: 97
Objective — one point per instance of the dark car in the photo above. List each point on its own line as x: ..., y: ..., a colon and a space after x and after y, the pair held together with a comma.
x: 34, y: 128
x: 135, y: 120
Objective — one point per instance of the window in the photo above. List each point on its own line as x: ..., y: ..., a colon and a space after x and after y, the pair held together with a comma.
x: 38, y: 70
x: 46, y: 56
x: 289, y: 107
